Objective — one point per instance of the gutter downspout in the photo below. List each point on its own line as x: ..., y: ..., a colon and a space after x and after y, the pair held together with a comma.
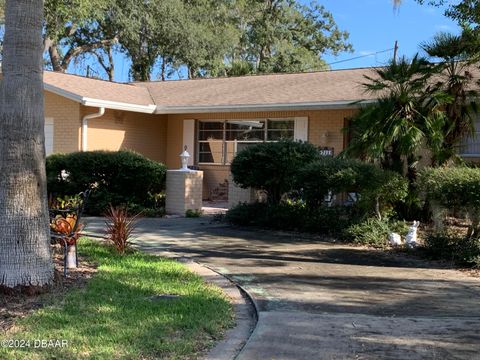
x: 101, y: 112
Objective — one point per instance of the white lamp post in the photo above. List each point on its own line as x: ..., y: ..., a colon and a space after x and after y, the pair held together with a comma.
x: 184, y: 156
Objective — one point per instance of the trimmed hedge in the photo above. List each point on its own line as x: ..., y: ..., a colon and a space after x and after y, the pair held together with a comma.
x: 449, y: 246
x: 272, y: 166
x: 454, y: 188
x: 117, y: 178
x: 297, y: 180
x: 378, y: 189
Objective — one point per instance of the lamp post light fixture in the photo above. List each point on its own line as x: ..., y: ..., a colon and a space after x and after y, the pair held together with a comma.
x: 184, y: 156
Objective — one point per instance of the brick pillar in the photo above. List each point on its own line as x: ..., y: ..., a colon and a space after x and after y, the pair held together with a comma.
x: 184, y: 191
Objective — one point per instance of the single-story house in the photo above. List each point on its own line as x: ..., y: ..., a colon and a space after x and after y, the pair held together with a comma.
x: 215, y: 118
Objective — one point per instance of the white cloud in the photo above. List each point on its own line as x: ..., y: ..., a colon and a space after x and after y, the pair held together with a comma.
x: 429, y: 10
x: 366, y: 52
x: 444, y: 27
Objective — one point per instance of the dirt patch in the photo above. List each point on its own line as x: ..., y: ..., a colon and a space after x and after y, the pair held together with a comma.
x: 16, y: 306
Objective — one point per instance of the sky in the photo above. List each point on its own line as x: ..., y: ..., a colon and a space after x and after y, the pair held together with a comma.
x: 373, y: 26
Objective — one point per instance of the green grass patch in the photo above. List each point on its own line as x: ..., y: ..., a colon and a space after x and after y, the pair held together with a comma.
x: 113, y: 316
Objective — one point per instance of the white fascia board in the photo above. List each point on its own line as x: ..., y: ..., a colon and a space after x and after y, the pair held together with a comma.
x: 63, y: 93
x: 149, y: 109
x: 261, y: 107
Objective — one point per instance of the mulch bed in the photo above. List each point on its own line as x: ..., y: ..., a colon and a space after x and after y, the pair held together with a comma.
x: 17, y: 305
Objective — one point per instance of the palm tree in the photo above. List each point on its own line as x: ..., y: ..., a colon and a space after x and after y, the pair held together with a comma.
x: 25, y: 258
x: 458, y: 54
x: 406, y: 116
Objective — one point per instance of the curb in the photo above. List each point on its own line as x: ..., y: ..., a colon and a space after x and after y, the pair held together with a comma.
x: 252, y: 301
x: 245, y: 308
x: 244, y: 292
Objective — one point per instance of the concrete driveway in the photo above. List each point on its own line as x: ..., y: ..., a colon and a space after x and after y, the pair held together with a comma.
x: 321, y: 300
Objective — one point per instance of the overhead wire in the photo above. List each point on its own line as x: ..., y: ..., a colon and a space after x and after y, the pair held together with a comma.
x: 361, y: 56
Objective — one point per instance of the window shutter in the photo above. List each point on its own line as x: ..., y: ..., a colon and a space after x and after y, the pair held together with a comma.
x: 189, y: 139
x: 48, y: 136
x: 301, y: 128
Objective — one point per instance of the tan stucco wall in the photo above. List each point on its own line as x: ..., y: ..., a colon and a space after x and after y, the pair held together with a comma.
x: 121, y: 130
x: 66, y: 122
x: 324, y: 127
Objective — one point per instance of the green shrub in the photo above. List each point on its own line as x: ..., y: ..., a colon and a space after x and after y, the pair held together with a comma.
x: 244, y: 214
x: 332, y: 220
x: 117, y: 178
x: 378, y: 189
x: 291, y: 216
x: 272, y: 166
x: 374, y: 232
x: 274, y: 216
x: 193, y: 213
x: 447, y: 246
x: 455, y: 188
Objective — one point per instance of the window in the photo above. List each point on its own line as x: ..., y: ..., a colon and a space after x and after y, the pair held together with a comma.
x: 471, y: 146
x: 280, y: 130
x: 220, y: 141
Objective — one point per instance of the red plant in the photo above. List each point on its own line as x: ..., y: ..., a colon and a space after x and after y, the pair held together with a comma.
x: 120, y: 226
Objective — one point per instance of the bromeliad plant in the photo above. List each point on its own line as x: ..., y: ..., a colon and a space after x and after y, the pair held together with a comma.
x: 119, y: 227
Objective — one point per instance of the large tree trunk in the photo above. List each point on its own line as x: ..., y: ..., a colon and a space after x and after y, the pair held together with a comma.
x: 25, y: 258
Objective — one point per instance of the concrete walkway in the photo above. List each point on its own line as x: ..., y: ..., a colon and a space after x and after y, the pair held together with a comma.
x: 321, y: 300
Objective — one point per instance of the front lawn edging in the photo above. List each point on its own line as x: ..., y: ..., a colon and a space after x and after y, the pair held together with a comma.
x: 244, y: 306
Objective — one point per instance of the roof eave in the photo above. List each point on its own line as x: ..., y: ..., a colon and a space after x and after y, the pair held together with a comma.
x: 353, y: 104
x: 189, y: 109
x: 148, y: 109
x: 114, y: 105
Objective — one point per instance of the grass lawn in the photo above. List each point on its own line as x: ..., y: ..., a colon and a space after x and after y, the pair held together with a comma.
x: 113, y: 316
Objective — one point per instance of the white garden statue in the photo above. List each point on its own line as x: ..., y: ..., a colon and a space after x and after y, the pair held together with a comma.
x: 411, y: 238
x: 394, y: 239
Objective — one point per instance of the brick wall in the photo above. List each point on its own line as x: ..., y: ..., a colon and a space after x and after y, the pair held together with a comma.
x: 184, y: 191
x: 121, y: 130
x: 66, y: 122
x: 237, y: 195
x: 116, y: 130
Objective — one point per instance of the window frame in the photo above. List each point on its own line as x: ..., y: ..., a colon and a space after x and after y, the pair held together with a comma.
x: 225, y: 142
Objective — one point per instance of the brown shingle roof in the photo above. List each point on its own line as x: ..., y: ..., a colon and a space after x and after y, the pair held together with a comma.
x: 98, y: 89
x: 314, y: 87
x: 324, y: 88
